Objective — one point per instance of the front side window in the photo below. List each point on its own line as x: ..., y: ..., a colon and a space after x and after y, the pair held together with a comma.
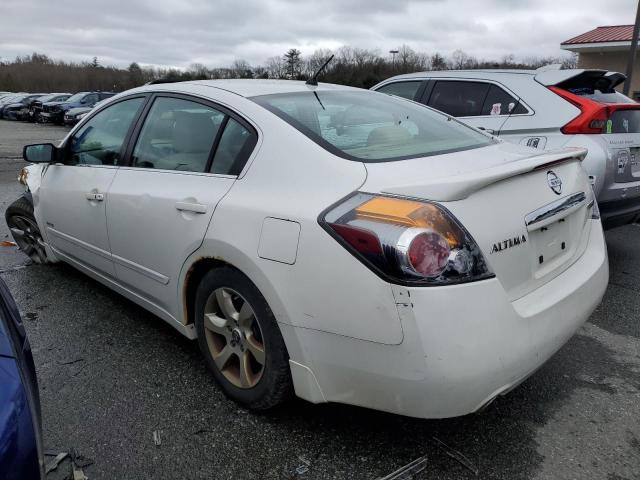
x: 100, y: 140
x: 401, y: 89
x: 459, y: 99
x: 370, y: 127
x: 177, y: 135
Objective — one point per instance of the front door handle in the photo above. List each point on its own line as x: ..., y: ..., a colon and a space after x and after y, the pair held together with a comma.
x: 191, y: 207
x: 93, y: 196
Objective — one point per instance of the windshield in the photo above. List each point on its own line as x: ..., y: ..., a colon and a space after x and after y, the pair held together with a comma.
x: 372, y: 127
x: 18, y: 98
x: 47, y: 98
x: 76, y: 98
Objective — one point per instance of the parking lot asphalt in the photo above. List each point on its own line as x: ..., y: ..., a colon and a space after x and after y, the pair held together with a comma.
x: 112, y: 374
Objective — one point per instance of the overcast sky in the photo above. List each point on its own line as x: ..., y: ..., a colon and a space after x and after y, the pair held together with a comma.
x: 215, y: 32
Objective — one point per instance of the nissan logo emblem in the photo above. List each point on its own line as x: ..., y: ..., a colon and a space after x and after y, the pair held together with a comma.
x: 554, y: 182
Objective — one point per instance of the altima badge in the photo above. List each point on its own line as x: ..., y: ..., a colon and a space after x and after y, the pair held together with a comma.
x: 508, y: 243
x: 554, y: 182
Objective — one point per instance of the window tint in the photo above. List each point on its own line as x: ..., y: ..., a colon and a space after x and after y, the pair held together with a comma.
x: 401, y: 89
x: 499, y: 102
x: 100, y: 140
x: 236, y: 144
x: 177, y: 135
x: 459, y: 99
x: 365, y: 126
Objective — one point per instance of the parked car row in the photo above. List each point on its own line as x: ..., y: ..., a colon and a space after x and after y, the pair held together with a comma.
x: 57, y: 108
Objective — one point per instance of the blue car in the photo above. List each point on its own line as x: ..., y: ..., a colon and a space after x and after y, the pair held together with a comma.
x: 20, y: 431
x: 54, y: 111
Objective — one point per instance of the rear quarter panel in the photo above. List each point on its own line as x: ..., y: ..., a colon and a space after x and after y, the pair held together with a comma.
x: 326, y: 288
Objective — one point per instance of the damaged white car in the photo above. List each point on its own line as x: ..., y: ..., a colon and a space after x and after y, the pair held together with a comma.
x: 338, y: 243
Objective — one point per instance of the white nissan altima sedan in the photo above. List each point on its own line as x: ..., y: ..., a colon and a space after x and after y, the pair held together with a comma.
x: 338, y: 243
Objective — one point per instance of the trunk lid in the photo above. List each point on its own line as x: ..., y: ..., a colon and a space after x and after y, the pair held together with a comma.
x: 503, y: 196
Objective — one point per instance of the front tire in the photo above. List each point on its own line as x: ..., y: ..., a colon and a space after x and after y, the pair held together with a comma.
x: 24, y: 229
x: 240, y: 340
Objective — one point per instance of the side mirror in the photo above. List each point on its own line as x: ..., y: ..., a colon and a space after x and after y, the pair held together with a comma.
x: 39, y: 153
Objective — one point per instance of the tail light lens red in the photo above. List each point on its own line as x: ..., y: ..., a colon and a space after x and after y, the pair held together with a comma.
x: 406, y: 241
x: 593, y: 116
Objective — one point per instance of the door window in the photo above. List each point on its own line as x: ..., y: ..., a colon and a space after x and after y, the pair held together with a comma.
x: 100, y: 140
x: 499, y: 102
x: 401, y: 89
x: 177, y: 134
x: 236, y: 144
x: 90, y: 99
x: 459, y: 99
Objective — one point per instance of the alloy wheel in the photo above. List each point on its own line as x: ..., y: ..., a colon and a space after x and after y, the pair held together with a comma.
x: 234, y: 337
x: 27, y: 235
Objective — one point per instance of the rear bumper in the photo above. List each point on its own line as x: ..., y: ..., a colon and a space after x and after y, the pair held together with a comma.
x: 620, y: 212
x: 463, y: 344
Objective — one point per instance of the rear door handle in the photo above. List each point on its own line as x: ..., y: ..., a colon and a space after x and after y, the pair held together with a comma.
x: 191, y: 207
x: 96, y: 197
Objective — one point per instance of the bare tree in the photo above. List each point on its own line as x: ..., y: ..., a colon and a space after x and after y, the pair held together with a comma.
x: 275, y: 67
x: 241, y: 69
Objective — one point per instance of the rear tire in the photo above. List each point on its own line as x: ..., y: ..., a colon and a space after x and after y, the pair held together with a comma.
x: 24, y: 229
x: 240, y: 340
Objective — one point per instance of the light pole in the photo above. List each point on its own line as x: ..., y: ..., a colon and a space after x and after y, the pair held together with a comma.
x: 632, y: 53
x: 393, y: 57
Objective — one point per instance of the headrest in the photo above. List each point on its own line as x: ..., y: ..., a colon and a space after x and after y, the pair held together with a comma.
x: 391, y: 134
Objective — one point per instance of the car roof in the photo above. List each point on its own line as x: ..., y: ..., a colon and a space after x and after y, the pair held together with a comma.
x: 252, y: 87
x: 463, y: 73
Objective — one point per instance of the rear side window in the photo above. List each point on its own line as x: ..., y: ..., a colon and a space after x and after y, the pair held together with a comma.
x: 177, y: 135
x: 236, y: 144
x: 459, y: 99
x: 499, y: 102
x: 368, y: 127
x: 401, y: 89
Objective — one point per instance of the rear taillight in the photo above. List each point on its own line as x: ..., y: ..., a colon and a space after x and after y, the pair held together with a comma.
x: 406, y: 241
x: 593, y: 117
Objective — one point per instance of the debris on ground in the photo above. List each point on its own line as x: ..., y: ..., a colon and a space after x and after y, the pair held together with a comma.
x: 303, y: 467
x: 72, y: 361
x: 76, y: 467
x: 458, y: 456
x: 53, y: 464
x: 156, y: 437
x: 409, y: 470
x: 8, y: 243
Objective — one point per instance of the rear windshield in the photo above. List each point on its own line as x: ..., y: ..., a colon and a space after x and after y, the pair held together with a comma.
x: 602, y: 97
x: 372, y: 127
